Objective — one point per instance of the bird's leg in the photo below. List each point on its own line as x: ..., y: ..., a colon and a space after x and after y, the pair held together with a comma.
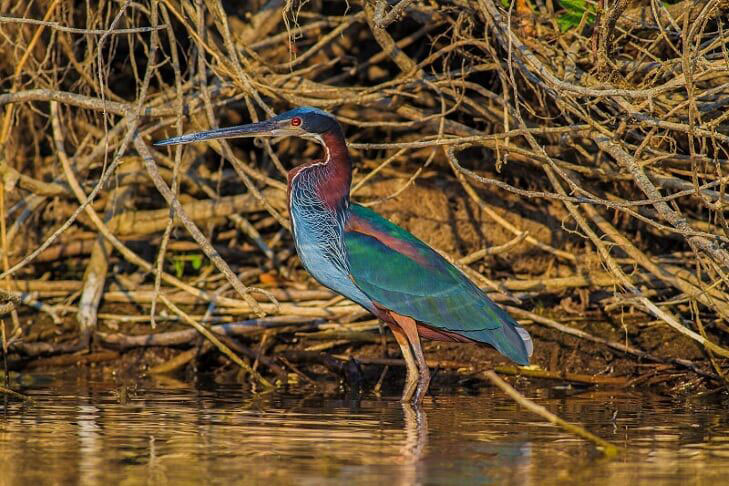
x: 410, y: 329
x: 424, y: 375
x: 411, y: 381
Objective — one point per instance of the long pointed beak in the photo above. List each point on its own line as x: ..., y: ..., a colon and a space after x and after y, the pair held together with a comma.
x: 264, y: 128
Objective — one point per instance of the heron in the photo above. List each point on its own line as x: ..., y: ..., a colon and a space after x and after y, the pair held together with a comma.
x: 362, y: 256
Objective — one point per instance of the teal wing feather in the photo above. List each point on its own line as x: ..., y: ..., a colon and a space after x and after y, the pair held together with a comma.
x: 403, y: 274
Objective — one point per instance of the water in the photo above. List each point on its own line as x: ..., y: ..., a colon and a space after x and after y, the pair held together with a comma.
x: 86, y: 429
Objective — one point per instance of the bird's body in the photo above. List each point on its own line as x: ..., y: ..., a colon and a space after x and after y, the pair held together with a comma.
x: 318, y: 229
x: 375, y: 263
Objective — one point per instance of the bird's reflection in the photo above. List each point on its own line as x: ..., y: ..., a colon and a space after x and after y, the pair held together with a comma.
x: 416, y: 433
x: 415, y: 427
x: 410, y: 458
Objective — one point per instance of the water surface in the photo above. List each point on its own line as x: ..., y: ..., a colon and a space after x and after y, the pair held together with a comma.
x: 84, y: 428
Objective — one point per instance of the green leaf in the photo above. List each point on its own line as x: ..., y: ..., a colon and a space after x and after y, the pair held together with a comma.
x: 197, y: 261
x: 575, y: 5
x: 574, y: 10
x: 569, y: 20
x: 179, y: 265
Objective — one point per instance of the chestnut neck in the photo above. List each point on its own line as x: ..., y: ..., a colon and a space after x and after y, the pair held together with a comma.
x: 335, y: 170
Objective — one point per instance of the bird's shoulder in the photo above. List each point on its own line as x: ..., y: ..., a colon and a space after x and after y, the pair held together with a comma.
x: 373, y: 241
x: 364, y: 221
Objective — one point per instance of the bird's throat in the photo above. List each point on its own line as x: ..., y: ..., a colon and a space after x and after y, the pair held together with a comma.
x: 329, y: 177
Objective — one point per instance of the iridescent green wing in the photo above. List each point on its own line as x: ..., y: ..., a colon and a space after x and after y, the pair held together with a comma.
x: 401, y: 273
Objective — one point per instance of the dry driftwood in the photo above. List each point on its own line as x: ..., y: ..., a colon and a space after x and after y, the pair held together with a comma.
x: 613, y: 137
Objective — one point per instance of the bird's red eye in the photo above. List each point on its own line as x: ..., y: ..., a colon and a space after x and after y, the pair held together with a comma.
x: 296, y: 121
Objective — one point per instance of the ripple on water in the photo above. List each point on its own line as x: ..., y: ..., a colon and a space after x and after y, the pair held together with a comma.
x: 85, y: 429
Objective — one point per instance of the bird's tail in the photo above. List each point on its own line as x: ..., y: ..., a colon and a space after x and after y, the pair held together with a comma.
x: 512, y: 340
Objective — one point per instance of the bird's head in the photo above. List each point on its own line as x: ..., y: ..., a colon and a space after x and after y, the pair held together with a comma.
x: 306, y: 122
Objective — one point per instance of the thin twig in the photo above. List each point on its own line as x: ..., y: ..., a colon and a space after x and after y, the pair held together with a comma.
x: 607, y: 448
x: 217, y: 343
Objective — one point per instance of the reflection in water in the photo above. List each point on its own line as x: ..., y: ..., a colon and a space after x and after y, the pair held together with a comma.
x: 416, y: 433
x: 81, y: 430
x: 416, y: 438
x: 90, y: 462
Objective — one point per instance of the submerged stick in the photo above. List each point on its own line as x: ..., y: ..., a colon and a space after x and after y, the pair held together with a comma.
x: 607, y: 448
x: 13, y: 393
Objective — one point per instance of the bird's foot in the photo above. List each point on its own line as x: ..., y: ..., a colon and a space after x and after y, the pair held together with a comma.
x: 422, y: 387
